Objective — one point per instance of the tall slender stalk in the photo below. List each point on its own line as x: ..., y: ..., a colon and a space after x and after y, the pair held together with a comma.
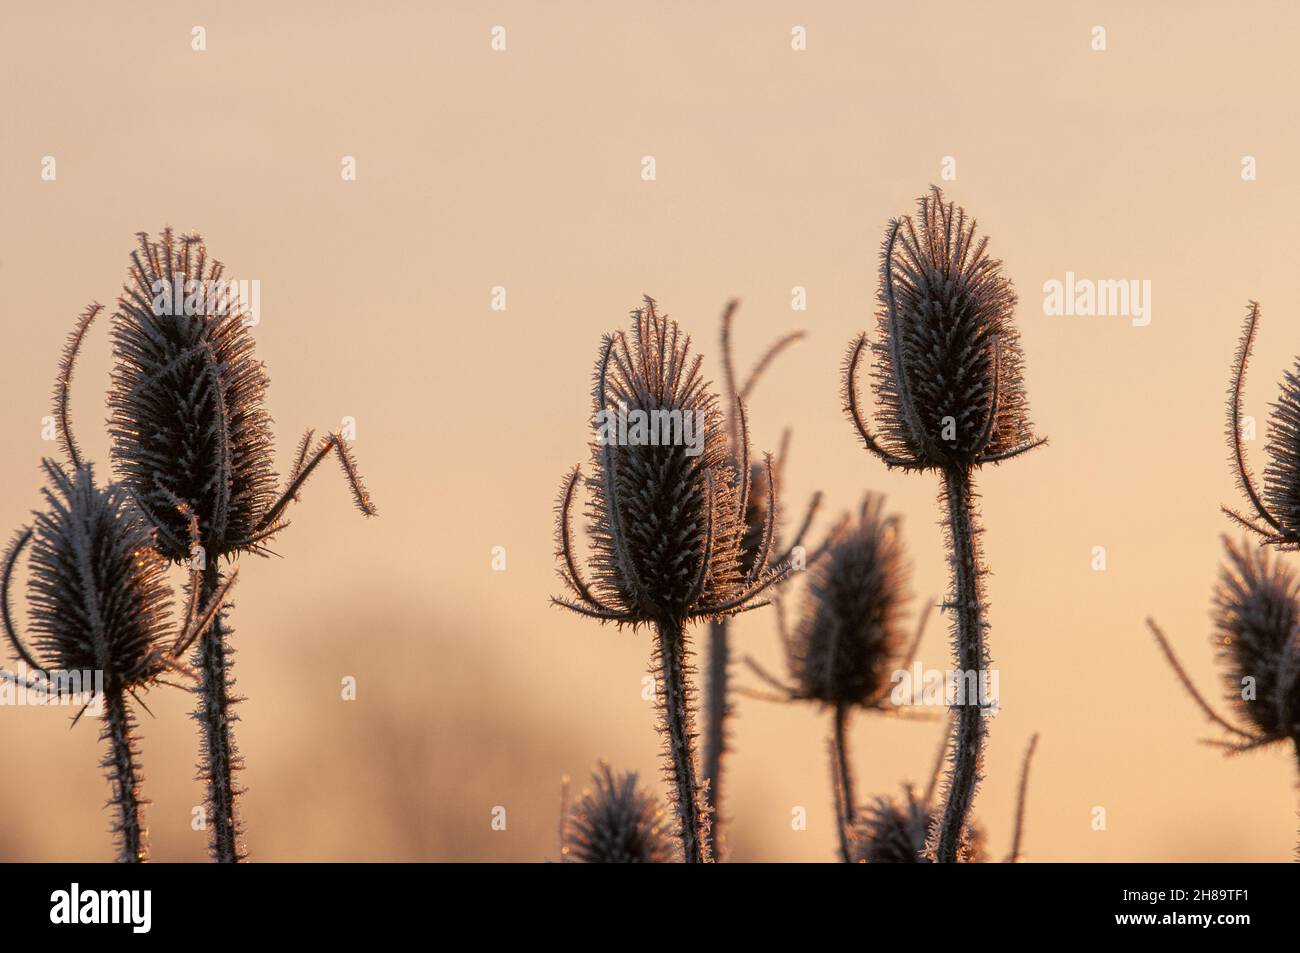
x: 971, y: 653
x: 219, y: 759
x: 679, y: 750
x: 124, y: 776
x: 951, y: 395
x: 717, y: 709
x: 717, y: 705
x: 844, y: 779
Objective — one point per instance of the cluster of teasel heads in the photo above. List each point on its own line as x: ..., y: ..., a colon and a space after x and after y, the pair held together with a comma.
x: 193, y: 449
x: 1255, y: 605
x: 675, y: 538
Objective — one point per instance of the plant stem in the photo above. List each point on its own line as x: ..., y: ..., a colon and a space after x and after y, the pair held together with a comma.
x: 124, y: 776
x: 675, y: 715
x: 716, y: 710
x: 219, y: 759
x: 971, y: 653
x: 844, y: 782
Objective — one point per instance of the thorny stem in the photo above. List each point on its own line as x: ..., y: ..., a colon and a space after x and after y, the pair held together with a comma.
x: 972, y: 657
x: 218, y: 759
x: 123, y: 775
x: 679, y: 750
x: 716, y: 710
x: 844, y: 777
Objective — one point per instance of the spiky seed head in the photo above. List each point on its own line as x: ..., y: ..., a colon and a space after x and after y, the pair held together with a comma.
x: 1282, y: 474
x: 97, y: 586
x: 187, y: 420
x: 664, y: 520
x: 618, y: 822
x: 946, y: 343
x: 850, y: 635
x: 1257, y: 634
x: 893, y: 831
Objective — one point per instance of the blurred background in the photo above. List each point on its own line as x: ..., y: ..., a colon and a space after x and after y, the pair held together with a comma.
x: 775, y: 169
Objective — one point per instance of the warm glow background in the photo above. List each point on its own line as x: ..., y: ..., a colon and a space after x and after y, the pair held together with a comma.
x: 775, y: 169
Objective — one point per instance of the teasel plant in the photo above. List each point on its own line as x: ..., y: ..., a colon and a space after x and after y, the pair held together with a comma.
x: 850, y: 638
x: 897, y: 830
x: 951, y: 398
x: 100, y: 603
x: 1275, y: 511
x: 616, y: 821
x: 718, y: 707
x: 191, y: 435
x: 1256, y: 620
x: 666, y: 528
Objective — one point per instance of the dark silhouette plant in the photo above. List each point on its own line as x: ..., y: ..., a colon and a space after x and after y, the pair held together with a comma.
x: 100, y: 602
x: 850, y: 637
x: 1256, y: 614
x: 897, y: 830
x: 666, y: 527
x: 717, y: 703
x: 949, y: 383
x: 191, y: 435
x: 616, y: 822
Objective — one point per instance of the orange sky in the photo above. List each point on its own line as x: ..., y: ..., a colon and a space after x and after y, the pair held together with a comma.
x: 775, y: 169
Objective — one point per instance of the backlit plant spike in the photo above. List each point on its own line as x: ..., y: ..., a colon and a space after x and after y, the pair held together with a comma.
x: 666, y: 527
x: 951, y: 398
x: 191, y: 437
x: 99, y: 602
x: 896, y: 831
x: 1256, y: 612
x: 617, y: 822
x: 717, y: 703
x: 850, y: 637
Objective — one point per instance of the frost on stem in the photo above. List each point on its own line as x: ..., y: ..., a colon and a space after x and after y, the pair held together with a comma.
x: 666, y: 525
x: 192, y: 442
x: 948, y: 382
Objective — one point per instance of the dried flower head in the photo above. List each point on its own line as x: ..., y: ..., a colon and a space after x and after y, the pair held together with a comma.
x: 894, y: 831
x: 666, y: 518
x: 99, y: 593
x: 850, y: 636
x: 1257, y: 633
x: 618, y: 822
x: 948, y: 374
x: 187, y: 412
x: 1256, y: 613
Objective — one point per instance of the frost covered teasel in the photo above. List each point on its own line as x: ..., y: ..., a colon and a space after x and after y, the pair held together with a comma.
x: 665, y: 531
x: 948, y: 382
x: 99, y: 600
x: 191, y: 438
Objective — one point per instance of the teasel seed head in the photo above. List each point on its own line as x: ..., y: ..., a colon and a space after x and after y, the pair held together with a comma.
x: 187, y: 413
x: 1257, y: 634
x: 949, y: 369
x: 618, y: 822
x: 666, y: 525
x: 98, y: 589
x: 187, y: 417
x: 894, y: 831
x: 851, y: 636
